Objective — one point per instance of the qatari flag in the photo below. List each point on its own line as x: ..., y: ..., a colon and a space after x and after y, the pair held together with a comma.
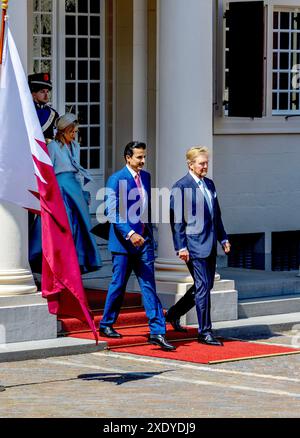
x: 27, y: 178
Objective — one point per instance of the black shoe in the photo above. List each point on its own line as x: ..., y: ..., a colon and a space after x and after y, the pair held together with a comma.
x: 161, y: 341
x: 175, y: 323
x: 209, y: 340
x: 109, y: 332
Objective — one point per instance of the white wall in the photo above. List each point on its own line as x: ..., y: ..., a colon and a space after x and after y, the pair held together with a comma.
x: 258, y: 181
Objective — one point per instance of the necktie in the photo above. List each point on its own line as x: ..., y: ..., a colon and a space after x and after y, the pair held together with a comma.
x: 139, y: 186
x: 206, y: 195
x: 137, y: 179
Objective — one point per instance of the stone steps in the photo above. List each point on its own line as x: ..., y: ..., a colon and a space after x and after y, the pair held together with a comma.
x: 252, y: 283
x: 272, y: 305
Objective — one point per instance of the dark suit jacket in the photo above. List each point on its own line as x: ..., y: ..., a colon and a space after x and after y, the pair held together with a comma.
x: 124, y: 212
x: 193, y: 226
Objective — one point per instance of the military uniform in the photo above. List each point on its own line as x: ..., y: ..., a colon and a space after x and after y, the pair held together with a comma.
x: 47, y: 115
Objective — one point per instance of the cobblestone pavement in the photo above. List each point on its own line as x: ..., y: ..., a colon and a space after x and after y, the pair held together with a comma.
x: 111, y: 385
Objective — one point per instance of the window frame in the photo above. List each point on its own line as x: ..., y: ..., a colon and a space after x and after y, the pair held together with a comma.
x: 269, y: 123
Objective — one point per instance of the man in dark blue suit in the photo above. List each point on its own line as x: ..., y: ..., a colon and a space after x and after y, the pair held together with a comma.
x: 132, y: 245
x: 196, y: 227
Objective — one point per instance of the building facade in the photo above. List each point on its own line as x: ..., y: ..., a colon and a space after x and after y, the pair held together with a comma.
x: 178, y: 73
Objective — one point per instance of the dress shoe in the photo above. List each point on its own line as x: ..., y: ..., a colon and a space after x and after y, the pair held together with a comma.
x: 161, y: 341
x: 175, y: 323
x: 109, y: 332
x: 209, y: 339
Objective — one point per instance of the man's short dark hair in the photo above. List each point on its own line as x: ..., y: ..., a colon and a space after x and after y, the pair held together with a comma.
x: 133, y: 145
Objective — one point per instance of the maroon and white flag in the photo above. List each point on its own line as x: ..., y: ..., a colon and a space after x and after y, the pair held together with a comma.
x: 27, y: 178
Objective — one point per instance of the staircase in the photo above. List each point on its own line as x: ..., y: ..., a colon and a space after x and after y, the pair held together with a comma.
x: 262, y: 293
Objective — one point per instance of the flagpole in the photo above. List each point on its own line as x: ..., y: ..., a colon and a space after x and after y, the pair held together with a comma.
x: 4, y: 7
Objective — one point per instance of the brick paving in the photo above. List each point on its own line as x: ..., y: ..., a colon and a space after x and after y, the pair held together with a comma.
x: 111, y: 385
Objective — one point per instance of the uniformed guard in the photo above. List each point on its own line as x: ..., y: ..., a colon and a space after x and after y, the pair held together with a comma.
x: 40, y: 85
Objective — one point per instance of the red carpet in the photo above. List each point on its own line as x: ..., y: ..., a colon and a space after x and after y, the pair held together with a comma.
x: 132, y: 324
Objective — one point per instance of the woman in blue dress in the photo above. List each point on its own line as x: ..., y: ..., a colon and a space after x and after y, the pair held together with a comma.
x: 64, y: 152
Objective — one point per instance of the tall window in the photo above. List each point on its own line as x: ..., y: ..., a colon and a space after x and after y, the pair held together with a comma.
x: 82, y: 74
x: 68, y: 41
x: 261, y: 76
x: 42, y: 36
x: 286, y: 62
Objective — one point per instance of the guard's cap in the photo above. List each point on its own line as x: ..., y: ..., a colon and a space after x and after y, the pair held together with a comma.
x: 38, y: 81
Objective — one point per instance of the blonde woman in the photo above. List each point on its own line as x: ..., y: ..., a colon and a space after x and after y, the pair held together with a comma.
x: 64, y: 152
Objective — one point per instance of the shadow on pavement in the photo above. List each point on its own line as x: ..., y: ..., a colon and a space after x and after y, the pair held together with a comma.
x: 120, y: 378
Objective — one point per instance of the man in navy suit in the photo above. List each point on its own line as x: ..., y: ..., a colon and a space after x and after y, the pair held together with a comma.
x: 196, y: 227
x: 132, y: 245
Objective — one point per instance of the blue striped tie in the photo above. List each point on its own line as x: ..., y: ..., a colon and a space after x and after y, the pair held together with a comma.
x: 206, y: 196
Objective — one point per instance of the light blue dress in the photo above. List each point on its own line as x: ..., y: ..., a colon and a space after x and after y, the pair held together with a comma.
x: 69, y: 172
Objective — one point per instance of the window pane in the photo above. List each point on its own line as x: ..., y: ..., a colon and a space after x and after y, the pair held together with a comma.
x: 36, y: 47
x: 70, y: 70
x: 82, y: 48
x: 83, y: 114
x: 46, y: 66
x: 95, y: 26
x: 36, y: 5
x: 83, y: 137
x: 70, y: 109
x: 70, y: 93
x: 82, y: 25
x: 284, y: 40
x: 283, y: 101
x: 284, y: 81
x: 82, y: 5
x: 94, y: 6
x: 94, y: 136
x: 274, y: 101
x: 94, y: 159
x: 70, y: 25
x: 95, y: 47
x: 275, y: 85
x: 46, y: 47
x: 82, y: 70
x: 275, y: 41
x: 70, y: 48
x: 296, y: 21
x: 36, y: 66
x: 46, y: 5
x: 275, y: 60
x: 294, y: 101
x: 36, y: 24
x: 275, y: 20
x: 95, y: 70
x: 46, y: 24
x: 82, y: 92
x: 94, y: 114
x: 284, y: 61
x: 94, y: 92
x: 284, y: 20
x: 83, y: 158
x: 70, y: 5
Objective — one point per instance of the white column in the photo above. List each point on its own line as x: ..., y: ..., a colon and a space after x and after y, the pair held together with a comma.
x: 15, y: 274
x: 17, y: 13
x: 184, y: 119
x: 140, y: 57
